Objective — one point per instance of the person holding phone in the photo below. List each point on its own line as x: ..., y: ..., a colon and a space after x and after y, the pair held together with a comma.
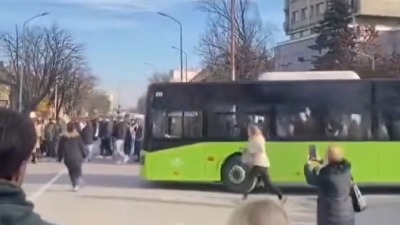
x: 255, y: 156
x: 334, y: 182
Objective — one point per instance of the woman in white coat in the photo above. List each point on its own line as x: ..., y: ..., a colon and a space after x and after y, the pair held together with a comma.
x: 255, y: 156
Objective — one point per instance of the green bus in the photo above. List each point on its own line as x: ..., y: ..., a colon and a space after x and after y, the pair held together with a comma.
x: 194, y: 132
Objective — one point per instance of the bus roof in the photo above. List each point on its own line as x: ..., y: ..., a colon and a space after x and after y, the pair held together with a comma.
x: 310, y: 75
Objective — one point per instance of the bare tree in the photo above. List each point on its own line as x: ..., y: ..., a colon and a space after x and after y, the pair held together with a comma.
x: 253, y: 40
x: 160, y: 77
x: 43, y: 55
x: 98, y: 101
x: 75, y: 91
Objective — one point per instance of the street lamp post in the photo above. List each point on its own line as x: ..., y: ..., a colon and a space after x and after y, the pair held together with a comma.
x: 21, y: 75
x: 233, y: 63
x: 186, y: 61
x: 180, y: 37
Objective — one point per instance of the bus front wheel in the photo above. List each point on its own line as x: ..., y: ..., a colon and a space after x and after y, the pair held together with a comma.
x: 234, y: 173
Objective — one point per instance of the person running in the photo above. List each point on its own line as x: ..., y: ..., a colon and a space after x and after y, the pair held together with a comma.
x: 255, y: 156
x: 72, y: 150
x: 17, y: 140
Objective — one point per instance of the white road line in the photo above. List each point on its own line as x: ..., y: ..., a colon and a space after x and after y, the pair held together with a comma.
x: 35, y: 195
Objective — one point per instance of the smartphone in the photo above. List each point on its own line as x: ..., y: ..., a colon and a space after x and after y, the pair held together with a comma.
x: 312, y: 152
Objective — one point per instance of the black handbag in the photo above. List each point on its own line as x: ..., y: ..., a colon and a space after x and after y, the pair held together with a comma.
x: 359, y: 201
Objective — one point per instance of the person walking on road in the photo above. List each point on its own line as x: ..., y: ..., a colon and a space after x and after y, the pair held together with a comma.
x: 334, y: 183
x: 87, y: 137
x: 50, y: 135
x: 105, y: 135
x: 120, y: 132
x: 17, y: 140
x: 72, y: 150
x: 138, y: 142
x: 255, y: 156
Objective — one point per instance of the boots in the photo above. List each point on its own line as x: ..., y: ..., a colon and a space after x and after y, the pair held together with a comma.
x: 34, y: 158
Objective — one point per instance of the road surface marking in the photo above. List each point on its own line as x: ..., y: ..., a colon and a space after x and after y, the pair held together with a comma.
x: 35, y: 195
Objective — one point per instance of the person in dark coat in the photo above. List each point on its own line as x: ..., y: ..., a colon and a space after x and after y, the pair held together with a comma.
x: 333, y: 181
x: 72, y: 150
x: 105, y: 134
x: 138, y: 142
x: 87, y: 138
x: 17, y: 141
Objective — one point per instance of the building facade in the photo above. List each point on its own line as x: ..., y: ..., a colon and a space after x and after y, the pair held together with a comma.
x: 187, y: 75
x: 301, y: 16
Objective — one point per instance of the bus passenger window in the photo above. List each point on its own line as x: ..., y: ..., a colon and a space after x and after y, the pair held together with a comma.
x: 174, y: 125
x: 299, y: 123
x: 223, y: 125
x: 388, y: 125
x: 166, y: 125
x: 345, y: 125
x: 159, y: 123
x: 193, y: 124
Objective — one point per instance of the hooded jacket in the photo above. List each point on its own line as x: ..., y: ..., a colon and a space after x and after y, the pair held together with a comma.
x: 71, y: 149
x: 15, y: 209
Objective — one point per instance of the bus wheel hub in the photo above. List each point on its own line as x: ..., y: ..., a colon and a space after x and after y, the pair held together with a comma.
x: 237, y: 174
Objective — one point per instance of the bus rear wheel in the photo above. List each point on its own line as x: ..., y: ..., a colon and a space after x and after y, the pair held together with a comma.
x: 234, y: 173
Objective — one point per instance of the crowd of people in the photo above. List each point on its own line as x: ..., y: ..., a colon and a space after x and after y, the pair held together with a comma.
x: 111, y: 137
x: 336, y: 205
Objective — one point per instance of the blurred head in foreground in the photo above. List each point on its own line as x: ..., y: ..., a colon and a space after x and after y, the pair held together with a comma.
x: 17, y: 141
x: 261, y: 212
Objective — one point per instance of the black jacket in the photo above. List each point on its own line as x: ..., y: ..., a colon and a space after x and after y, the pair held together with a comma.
x: 334, y: 206
x: 71, y: 149
x: 15, y: 209
x: 87, y: 134
x: 120, y: 130
x: 105, y: 129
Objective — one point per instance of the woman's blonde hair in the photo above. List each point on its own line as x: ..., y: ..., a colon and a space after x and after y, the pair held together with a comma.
x: 261, y: 212
x: 334, y: 153
x: 254, y: 130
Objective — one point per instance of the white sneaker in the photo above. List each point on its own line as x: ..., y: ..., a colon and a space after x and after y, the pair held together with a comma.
x: 125, y: 160
x: 75, y: 189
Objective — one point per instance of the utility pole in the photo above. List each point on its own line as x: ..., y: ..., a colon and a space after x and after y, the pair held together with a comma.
x: 233, y: 64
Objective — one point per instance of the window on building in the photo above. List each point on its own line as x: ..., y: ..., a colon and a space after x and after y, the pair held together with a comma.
x: 296, y: 35
x: 311, y: 11
x: 320, y: 8
x: 295, y: 16
x: 304, y: 14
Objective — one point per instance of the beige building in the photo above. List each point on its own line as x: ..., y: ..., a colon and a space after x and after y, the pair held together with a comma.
x: 187, y: 75
x: 301, y: 16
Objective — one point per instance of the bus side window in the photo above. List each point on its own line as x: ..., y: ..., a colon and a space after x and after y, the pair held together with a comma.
x: 388, y: 125
x: 342, y: 124
x: 159, y: 125
x: 193, y: 124
x: 298, y: 123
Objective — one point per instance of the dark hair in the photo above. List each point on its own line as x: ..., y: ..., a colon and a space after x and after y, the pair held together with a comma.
x: 17, y: 140
x: 71, y: 126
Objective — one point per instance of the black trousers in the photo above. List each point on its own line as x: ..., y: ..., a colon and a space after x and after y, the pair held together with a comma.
x: 137, y: 148
x: 105, y: 147
x: 262, y: 172
x: 75, y: 173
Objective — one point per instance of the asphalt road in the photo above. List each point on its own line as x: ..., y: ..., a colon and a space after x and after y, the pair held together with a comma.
x: 114, y: 194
